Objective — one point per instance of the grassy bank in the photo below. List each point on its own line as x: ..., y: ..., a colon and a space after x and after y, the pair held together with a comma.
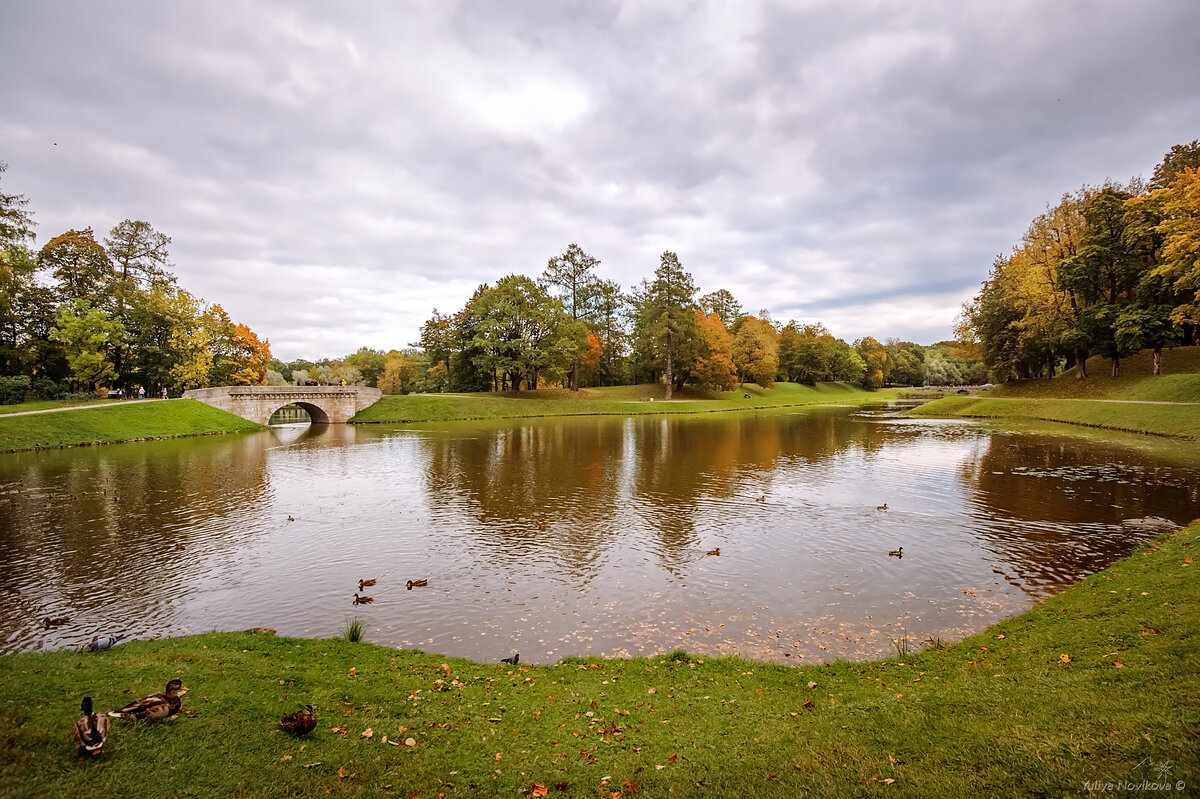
x: 108, y: 425
x: 1099, y: 683
x: 1168, y: 405
x: 609, y: 401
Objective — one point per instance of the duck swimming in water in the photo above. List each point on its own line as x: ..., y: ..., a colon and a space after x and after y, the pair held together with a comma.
x: 365, y: 583
x: 897, y: 553
x: 363, y: 600
x: 411, y: 584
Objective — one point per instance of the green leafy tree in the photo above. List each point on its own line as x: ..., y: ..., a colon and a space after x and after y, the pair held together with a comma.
x: 667, y: 321
x: 572, y: 273
x: 89, y: 336
x: 608, y: 323
x: 159, y: 318
x: 1179, y: 158
x: 845, y: 364
x: 522, y: 332
x: 370, y: 364
x: 722, y: 303
x: 16, y: 224
x: 906, y: 363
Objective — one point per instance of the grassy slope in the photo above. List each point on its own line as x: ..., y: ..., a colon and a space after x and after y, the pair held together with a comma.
x: 42, y: 405
x: 116, y: 423
x: 1091, y: 401
x: 617, y: 400
x: 1003, y: 712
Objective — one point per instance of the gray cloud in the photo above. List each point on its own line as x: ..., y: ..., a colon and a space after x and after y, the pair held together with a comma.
x: 331, y: 175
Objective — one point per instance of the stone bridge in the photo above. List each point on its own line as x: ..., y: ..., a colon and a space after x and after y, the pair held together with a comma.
x: 325, y: 404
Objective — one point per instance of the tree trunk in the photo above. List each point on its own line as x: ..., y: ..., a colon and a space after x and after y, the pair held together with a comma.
x: 670, y: 376
x: 1116, y: 372
x: 1158, y: 361
x: 575, y: 376
x: 1050, y: 366
x: 1080, y: 362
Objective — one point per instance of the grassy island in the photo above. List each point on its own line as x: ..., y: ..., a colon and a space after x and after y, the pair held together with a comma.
x: 138, y: 421
x: 609, y: 401
x: 1137, y: 401
x: 1099, y: 684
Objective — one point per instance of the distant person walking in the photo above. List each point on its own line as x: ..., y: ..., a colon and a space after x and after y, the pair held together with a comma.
x: 164, y: 392
x: 141, y: 392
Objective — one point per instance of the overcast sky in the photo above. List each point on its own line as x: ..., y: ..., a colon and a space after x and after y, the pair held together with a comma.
x: 331, y: 172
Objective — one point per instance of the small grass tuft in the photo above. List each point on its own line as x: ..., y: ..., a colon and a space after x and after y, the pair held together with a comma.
x: 354, y: 629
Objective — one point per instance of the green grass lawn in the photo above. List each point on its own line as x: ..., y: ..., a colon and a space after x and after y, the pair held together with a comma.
x: 43, y: 405
x: 1098, y: 401
x: 1099, y: 683
x: 118, y: 422
x: 615, y: 401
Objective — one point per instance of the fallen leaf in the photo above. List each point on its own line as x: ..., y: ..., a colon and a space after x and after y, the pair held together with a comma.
x: 344, y: 774
x: 888, y: 781
x: 652, y: 691
x: 413, y: 742
x: 353, y: 672
x: 1064, y: 657
x: 312, y: 765
x: 539, y: 790
x: 497, y: 755
x: 338, y: 730
x: 1118, y: 664
x: 368, y: 732
x: 286, y: 757
x: 671, y: 759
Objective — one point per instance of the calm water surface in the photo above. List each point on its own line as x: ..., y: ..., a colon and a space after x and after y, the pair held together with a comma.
x: 579, y: 536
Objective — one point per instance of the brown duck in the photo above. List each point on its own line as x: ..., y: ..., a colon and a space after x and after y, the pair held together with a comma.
x: 301, y: 722
x: 363, y: 600
x: 155, y: 707
x: 411, y: 584
x: 716, y: 551
x: 365, y: 584
x: 91, y: 730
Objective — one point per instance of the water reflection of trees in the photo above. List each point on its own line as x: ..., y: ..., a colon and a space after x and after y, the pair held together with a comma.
x: 123, y: 523
x: 570, y: 487
x: 1060, y: 508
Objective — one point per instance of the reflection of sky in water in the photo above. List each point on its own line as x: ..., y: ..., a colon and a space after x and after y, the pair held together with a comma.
x: 577, y: 536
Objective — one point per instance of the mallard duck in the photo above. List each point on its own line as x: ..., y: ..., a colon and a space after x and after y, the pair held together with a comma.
x: 411, y: 584
x: 882, y: 507
x: 98, y: 644
x: 155, y: 707
x: 365, y: 583
x: 514, y: 660
x: 363, y: 600
x: 56, y: 622
x: 716, y: 551
x: 763, y: 498
x: 301, y: 722
x: 91, y: 730
x: 290, y: 519
x: 897, y: 553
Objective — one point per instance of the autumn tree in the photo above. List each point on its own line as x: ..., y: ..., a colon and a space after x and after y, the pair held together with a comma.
x: 79, y: 267
x: 875, y: 359
x: 1177, y: 207
x: 158, y: 319
x: 713, y: 365
x: 756, y: 351
x: 1179, y: 158
x: 371, y: 364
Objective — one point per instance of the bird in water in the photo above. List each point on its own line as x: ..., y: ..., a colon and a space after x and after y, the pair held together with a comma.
x: 897, y: 553
x: 56, y: 622
x: 514, y: 660
x: 90, y: 730
x: 365, y: 583
x: 290, y: 519
x: 763, y: 498
x: 882, y: 507
x: 363, y: 600
x: 716, y: 551
x: 99, y: 644
x: 411, y: 584
x: 301, y: 722
x: 155, y: 707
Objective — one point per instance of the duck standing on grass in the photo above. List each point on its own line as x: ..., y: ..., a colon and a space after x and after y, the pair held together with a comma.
x: 91, y: 730
x: 155, y: 707
x: 301, y: 722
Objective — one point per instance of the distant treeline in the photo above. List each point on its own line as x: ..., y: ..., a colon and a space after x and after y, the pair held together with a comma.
x: 574, y: 329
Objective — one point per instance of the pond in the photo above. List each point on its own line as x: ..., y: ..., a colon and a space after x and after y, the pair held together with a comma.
x: 580, y: 536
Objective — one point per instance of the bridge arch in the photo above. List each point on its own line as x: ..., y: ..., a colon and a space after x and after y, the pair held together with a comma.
x: 324, y: 404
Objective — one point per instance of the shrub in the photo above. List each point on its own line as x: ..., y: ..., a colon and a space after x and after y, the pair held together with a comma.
x: 13, y: 389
